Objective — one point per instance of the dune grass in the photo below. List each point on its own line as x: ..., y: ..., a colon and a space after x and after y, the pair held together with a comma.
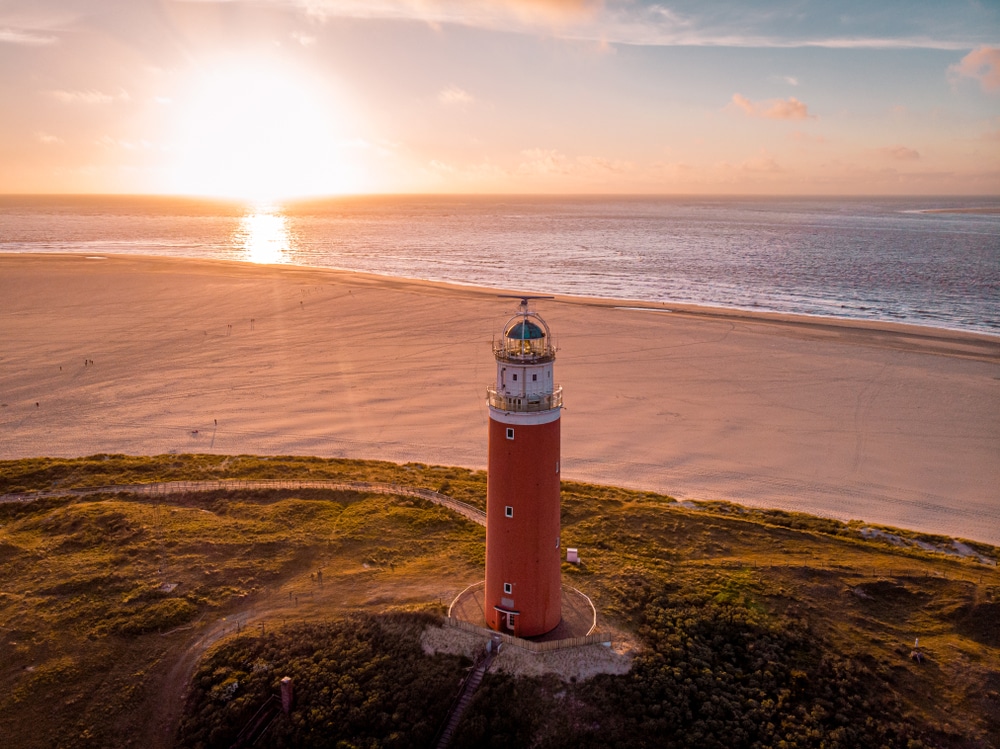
x: 102, y: 596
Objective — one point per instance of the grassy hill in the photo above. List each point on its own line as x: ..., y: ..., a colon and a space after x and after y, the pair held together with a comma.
x: 756, y: 627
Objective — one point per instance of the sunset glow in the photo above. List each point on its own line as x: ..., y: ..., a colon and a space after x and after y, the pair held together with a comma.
x: 266, y: 99
x: 263, y: 235
x: 259, y: 134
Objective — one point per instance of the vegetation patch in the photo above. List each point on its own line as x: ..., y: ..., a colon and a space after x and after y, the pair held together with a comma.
x: 155, y: 616
x: 715, y: 673
x: 358, y: 681
x: 757, y: 628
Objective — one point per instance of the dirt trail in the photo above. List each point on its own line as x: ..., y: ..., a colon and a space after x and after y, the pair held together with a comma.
x: 161, y: 727
x: 298, y: 598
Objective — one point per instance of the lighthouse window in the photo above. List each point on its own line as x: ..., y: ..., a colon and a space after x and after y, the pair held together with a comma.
x: 508, y: 511
x: 515, y: 378
x: 534, y: 378
x: 510, y: 433
x: 508, y: 588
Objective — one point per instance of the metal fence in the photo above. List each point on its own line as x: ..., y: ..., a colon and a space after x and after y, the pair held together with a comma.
x: 534, y: 647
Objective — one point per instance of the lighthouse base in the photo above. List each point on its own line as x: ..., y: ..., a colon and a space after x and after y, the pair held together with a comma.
x: 578, y: 614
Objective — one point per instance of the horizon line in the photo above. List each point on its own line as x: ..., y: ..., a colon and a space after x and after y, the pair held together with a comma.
x: 497, y: 194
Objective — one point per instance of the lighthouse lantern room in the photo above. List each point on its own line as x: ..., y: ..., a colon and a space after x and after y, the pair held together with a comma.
x: 523, y: 587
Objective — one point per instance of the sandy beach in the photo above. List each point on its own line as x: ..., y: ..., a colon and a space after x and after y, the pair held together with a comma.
x: 889, y: 424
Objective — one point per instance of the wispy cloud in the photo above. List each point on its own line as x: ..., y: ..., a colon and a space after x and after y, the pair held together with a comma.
x: 90, y: 96
x: 549, y: 162
x: 106, y: 141
x: 788, y: 80
x: 306, y: 40
x: 49, y: 139
x: 773, y: 109
x: 982, y: 64
x: 544, y: 161
x: 799, y: 137
x: 455, y: 95
x: 29, y: 38
x: 551, y: 10
x: 600, y: 164
x: 899, y: 153
x: 478, y: 173
x: 726, y: 23
x: 486, y: 13
x: 763, y: 164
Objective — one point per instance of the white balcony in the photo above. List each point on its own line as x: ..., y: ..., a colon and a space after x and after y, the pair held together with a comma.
x: 524, y: 403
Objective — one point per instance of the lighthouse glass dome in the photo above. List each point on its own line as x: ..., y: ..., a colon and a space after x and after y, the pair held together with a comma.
x: 526, y: 337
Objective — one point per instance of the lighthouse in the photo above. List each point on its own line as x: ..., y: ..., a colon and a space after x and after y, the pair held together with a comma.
x: 523, y: 594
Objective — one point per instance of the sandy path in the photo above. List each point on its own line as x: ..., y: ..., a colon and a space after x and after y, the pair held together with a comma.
x: 892, y: 425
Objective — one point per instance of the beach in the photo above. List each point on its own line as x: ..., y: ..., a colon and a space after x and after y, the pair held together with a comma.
x: 891, y: 424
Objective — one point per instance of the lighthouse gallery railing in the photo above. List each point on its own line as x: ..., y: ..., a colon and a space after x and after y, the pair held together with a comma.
x: 524, y: 403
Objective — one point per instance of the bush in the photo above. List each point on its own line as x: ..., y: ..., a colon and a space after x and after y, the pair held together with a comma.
x: 716, y: 673
x: 363, y: 680
x: 155, y: 616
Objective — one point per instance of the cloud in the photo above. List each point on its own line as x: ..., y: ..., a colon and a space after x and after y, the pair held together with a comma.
x: 482, y: 173
x: 455, y: 95
x: 549, y: 162
x: 757, y: 170
x: 773, y: 109
x: 49, y: 140
x: 983, y: 64
x: 799, y: 137
x: 495, y: 14
x: 599, y: 164
x: 442, y: 167
x: 304, y: 39
x: 763, y: 164
x: 544, y: 161
x: 899, y: 153
x: 14, y: 36
x: 789, y: 80
x: 722, y: 23
x: 91, y: 96
x: 106, y: 141
x: 557, y: 11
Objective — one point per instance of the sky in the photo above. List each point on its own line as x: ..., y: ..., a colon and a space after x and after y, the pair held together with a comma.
x: 282, y: 98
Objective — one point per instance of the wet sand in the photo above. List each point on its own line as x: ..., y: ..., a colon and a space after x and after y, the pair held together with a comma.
x: 887, y: 423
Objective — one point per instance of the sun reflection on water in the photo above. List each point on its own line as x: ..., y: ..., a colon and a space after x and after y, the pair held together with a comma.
x: 263, y: 235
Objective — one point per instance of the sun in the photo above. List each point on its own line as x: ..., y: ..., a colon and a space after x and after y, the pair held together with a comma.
x: 262, y: 132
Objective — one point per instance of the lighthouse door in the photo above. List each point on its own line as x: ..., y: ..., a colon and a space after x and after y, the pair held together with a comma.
x: 510, y: 620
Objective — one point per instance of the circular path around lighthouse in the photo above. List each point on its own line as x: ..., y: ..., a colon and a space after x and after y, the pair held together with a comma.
x: 579, y: 617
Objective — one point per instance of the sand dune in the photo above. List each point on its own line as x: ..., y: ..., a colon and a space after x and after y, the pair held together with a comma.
x: 890, y: 424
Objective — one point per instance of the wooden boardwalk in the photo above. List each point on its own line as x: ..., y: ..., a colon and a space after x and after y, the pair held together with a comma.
x: 231, y: 485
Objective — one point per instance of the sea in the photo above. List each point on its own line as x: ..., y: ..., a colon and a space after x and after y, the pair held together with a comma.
x: 931, y: 261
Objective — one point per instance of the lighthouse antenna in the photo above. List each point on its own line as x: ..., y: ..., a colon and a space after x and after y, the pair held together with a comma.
x: 524, y: 299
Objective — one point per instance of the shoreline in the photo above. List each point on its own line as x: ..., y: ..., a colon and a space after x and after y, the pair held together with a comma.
x: 914, y: 331
x: 891, y: 424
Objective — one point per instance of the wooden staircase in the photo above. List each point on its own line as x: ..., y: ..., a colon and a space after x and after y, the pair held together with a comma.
x: 468, y: 690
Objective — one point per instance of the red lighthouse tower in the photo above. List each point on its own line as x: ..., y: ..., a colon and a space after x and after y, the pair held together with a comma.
x: 523, y: 585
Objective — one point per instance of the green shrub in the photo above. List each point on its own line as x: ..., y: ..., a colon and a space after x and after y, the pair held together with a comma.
x: 153, y: 616
x: 363, y: 680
